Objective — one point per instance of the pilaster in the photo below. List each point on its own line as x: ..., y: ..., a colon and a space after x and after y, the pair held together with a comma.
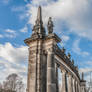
x: 74, y: 85
x: 64, y: 81
x: 38, y: 67
x: 31, y: 82
x: 70, y: 83
x: 51, y: 79
x: 57, y: 81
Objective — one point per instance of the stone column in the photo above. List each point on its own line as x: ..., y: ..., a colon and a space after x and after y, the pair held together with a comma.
x: 51, y: 76
x: 76, y: 86
x: 64, y: 81
x: 73, y: 85
x: 70, y: 83
x: 57, y: 83
x: 79, y: 87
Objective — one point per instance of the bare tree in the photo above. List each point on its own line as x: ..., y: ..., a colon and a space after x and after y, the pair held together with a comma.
x: 13, y: 83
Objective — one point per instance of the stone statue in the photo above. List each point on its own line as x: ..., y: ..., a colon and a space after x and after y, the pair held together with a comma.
x: 72, y: 61
x: 76, y: 67
x: 50, y: 26
x: 69, y: 55
x: 63, y: 50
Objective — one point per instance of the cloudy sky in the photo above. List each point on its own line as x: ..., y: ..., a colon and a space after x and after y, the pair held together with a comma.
x: 72, y: 23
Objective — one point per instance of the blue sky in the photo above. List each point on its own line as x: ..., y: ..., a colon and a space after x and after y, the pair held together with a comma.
x: 72, y: 22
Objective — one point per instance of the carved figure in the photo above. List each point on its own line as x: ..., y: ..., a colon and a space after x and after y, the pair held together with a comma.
x: 63, y: 50
x: 50, y: 26
x: 69, y: 55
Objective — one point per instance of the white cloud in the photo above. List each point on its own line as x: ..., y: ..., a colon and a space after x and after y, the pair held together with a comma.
x: 24, y: 30
x: 25, y: 0
x: 18, y: 8
x: 75, y: 14
x: 86, y: 64
x: 21, y: 10
x: 13, y: 60
x: 6, y: 1
x: 10, y: 33
x: 77, y: 49
x: 85, y: 70
x: 1, y: 36
x: 11, y: 54
x: 89, y: 63
x: 65, y: 38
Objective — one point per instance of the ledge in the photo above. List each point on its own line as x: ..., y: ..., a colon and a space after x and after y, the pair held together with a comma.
x: 66, y: 60
x: 53, y: 35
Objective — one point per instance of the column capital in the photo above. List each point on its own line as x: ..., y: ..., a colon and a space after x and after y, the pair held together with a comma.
x: 50, y: 50
x: 74, y: 77
x: 69, y: 74
x: 63, y: 70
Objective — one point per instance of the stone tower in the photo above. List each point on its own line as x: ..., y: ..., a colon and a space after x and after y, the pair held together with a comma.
x: 41, y: 67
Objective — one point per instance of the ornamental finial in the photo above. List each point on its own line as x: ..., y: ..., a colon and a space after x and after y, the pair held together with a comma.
x: 39, y: 15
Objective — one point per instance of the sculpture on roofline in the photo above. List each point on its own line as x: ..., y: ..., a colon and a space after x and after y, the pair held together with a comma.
x: 50, y: 26
x: 69, y: 56
x: 63, y: 50
x: 72, y: 61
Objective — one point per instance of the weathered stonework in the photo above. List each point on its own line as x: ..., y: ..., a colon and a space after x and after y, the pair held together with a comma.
x: 45, y: 57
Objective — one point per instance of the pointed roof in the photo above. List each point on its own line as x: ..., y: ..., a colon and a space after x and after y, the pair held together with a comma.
x: 38, y: 28
x: 82, y: 76
x: 39, y: 14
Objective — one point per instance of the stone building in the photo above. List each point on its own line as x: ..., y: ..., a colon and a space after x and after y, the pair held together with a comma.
x: 45, y: 58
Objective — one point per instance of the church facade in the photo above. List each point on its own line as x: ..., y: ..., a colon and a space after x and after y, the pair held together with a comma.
x: 45, y: 58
